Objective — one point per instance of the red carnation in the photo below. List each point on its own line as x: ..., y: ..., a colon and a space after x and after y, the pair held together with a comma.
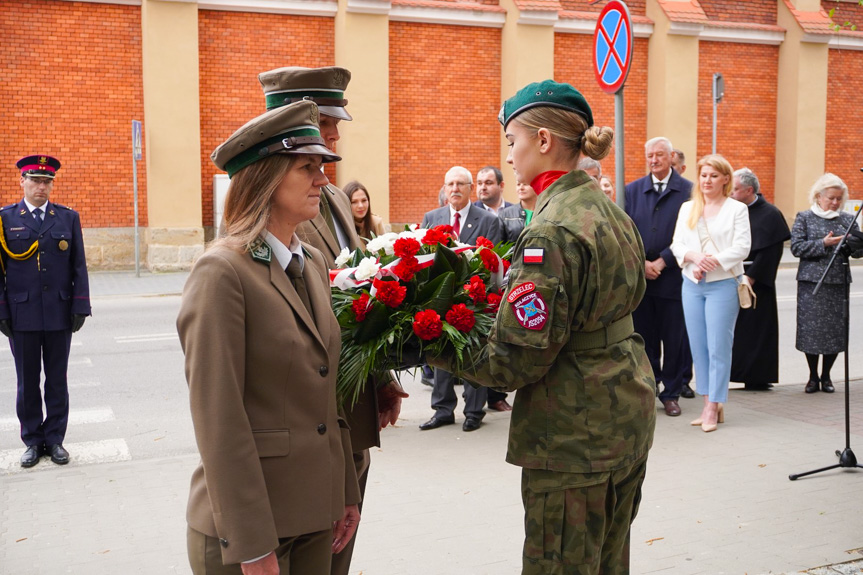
x: 506, y: 265
x: 489, y: 260
x: 406, y: 247
x: 460, y: 317
x: 390, y: 293
x: 407, y: 267
x: 435, y: 236
x: 484, y: 242
x: 361, y: 306
x: 476, y: 290
x: 493, y: 302
x: 427, y: 325
x: 444, y: 229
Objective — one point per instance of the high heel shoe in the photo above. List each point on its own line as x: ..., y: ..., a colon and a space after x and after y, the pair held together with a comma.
x: 720, y: 417
x: 708, y: 427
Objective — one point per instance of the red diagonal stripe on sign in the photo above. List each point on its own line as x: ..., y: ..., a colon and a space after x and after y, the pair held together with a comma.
x: 611, y: 48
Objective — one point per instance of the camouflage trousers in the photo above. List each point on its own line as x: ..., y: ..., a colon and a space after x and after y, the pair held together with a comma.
x: 578, y: 523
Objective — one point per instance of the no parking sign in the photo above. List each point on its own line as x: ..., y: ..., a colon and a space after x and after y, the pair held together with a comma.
x: 612, y: 47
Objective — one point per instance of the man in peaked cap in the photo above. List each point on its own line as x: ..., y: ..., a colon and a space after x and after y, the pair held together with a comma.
x: 332, y: 230
x: 45, y: 298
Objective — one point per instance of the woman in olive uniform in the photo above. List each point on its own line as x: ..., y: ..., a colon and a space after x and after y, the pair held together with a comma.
x: 276, y: 490
x: 583, y: 415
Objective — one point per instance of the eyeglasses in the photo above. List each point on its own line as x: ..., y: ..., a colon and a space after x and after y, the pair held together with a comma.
x: 39, y: 181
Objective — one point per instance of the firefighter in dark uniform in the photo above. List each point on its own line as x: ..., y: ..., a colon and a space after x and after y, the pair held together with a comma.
x: 45, y: 298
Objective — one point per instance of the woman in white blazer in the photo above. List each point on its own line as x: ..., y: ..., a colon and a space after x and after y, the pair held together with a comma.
x: 711, y: 240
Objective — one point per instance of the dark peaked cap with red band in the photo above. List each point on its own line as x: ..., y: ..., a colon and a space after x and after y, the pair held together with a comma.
x: 323, y: 86
x: 38, y: 166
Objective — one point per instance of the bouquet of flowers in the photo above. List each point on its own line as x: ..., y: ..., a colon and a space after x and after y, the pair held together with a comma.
x: 410, y: 293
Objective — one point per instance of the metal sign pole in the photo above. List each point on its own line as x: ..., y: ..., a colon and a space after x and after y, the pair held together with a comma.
x: 619, y: 149
x: 136, y: 155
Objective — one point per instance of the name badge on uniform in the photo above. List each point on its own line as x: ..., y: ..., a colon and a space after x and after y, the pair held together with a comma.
x: 528, y: 306
x: 533, y: 255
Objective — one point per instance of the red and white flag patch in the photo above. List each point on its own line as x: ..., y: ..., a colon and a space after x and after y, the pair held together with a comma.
x: 533, y: 255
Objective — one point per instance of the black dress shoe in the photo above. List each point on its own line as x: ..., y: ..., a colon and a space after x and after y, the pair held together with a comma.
x: 827, y: 385
x: 434, y: 423
x: 471, y: 424
x: 427, y: 381
x: 812, y: 386
x: 687, y: 392
x: 756, y: 386
x: 58, y: 455
x: 31, y: 456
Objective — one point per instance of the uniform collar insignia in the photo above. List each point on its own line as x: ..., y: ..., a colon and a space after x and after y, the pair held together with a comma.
x: 23, y: 212
x: 51, y: 212
x: 262, y: 252
x: 306, y: 253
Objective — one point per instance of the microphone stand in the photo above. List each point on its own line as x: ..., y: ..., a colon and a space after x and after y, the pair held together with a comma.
x: 846, y: 456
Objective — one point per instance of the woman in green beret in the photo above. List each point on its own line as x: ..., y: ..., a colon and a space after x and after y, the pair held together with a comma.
x: 583, y: 415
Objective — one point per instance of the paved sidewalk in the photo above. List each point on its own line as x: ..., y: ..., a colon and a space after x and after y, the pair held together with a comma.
x: 445, y: 502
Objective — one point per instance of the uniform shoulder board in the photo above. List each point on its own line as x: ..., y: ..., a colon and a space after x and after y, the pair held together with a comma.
x: 63, y: 207
x: 7, y: 207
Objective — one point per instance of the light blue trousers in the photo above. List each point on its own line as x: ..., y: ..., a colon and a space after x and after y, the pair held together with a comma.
x: 710, y: 311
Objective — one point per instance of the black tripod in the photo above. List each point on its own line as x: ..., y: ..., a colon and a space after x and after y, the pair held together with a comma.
x: 846, y: 456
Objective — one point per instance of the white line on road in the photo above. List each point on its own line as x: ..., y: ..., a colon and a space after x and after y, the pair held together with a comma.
x: 76, y: 417
x: 5, y: 349
x: 80, y: 454
x: 146, y: 338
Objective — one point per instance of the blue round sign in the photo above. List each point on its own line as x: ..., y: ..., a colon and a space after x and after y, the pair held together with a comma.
x: 612, y: 46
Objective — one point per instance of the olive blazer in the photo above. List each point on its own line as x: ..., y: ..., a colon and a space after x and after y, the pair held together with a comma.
x: 275, y: 456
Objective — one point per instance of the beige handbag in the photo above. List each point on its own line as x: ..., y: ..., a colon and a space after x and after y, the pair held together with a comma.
x: 745, y: 295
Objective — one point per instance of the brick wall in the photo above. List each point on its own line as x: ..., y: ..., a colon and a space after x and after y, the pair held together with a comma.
x: 746, y: 123
x: 751, y: 11
x: 844, y: 124
x: 572, y: 64
x: 234, y: 47
x: 444, y: 101
x: 71, y: 87
x: 845, y: 12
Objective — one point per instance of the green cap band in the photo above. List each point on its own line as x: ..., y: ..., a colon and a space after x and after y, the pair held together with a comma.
x: 262, y: 149
x: 322, y: 98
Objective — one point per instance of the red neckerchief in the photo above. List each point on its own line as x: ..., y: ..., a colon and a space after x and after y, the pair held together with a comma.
x: 545, y: 179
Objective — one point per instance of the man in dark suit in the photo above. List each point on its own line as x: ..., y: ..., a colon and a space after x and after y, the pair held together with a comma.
x: 489, y: 190
x: 653, y: 202
x: 331, y: 231
x: 46, y: 296
x: 469, y: 223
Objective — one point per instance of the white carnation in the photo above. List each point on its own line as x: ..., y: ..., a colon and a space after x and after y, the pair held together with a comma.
x: 383, y: 242
x: 344, y: 257
x: 367, y: 269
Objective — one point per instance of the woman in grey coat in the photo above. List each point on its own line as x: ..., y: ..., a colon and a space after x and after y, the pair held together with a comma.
x: 820, y: 329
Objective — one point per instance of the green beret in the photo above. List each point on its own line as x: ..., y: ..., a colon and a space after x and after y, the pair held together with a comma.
x: 545, y: 93
x: 291, y: 129
x: 323, y: 86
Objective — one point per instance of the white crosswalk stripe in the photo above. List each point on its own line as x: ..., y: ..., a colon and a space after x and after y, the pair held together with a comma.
x: 76, y: 417
x: 146, y: 338
x: 80, y: 454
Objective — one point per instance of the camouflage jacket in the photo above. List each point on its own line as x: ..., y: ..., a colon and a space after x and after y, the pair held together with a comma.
x: 563, y: 336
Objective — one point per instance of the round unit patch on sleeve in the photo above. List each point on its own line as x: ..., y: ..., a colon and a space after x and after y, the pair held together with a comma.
x: 530, y: 310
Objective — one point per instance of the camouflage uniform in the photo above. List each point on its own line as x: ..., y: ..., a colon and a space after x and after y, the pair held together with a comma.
x: 583, y: 417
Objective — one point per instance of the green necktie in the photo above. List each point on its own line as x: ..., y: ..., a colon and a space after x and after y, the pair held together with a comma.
x: 295, y: 273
